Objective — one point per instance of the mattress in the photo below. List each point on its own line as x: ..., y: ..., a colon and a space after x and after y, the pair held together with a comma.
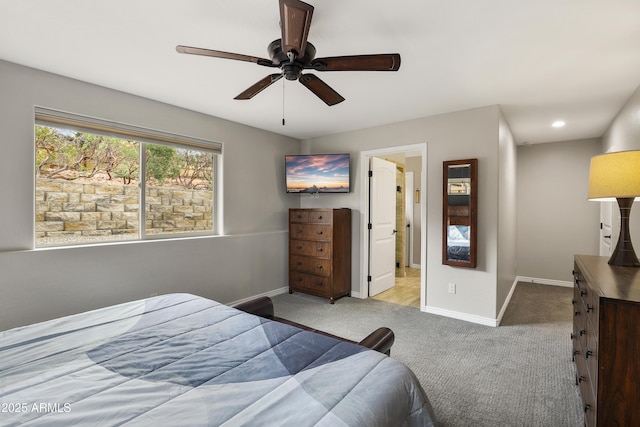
x: 180, y: 359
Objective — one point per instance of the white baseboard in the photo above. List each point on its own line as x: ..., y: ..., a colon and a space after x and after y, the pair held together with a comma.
x: 551, y: 282
x: 495, y: 322
x: 356, y: 294
x: 462, y: 316
x: 269, y: 294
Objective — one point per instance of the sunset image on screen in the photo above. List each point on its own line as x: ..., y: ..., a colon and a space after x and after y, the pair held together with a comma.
x: 322, y: 173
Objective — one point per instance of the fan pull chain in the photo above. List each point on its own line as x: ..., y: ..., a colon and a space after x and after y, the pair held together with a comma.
x: 283, y: 102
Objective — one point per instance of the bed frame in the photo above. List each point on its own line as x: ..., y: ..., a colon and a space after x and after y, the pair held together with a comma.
x: 379, y: 340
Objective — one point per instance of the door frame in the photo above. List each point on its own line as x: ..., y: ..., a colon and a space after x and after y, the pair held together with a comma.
x: 409, y: 202
x: 364, y: 205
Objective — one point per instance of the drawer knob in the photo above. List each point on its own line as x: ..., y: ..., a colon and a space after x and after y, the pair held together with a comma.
x: 319, y: 249
x: 589, y: 308
x: 299, y: 231
x: 588, y: 353
x: 581, y: 378
x: 298, y: 247
x: 319, y: 266
x: 573, y: 336
x: 319, y: 231
x: 587, y: 407
x: 583, y: 293
x: 318, y: 283
x: 299, y: 263
x: 583, y: 332
x: 576, y: 313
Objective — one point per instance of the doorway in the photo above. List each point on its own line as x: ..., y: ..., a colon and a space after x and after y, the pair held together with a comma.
x: 607, y: 228
x: 410, y: 287
x: 406, y: 291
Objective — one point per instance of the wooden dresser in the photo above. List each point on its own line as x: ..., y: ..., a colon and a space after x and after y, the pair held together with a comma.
x: 320, y: 252
x: 606, y: 341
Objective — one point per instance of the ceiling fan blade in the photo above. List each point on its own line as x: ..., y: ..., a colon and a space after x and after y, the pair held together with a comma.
x: 259, y: 86
x: 295, y: 20
x: 381, y: 62
x: 321, y: 89
x: 226, y: 55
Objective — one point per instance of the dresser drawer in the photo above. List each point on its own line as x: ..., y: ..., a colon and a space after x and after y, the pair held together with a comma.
x: 579, y: 319
x: 304, y: 216
x: 583, y: 379
x: 309, y: 248
x: 309, y: 282
x: 312, y: 265
x: 591, y: 357
x: 589, y: 299
x: 310, y: 232
x: 296, y: 216
x: 320, y: 217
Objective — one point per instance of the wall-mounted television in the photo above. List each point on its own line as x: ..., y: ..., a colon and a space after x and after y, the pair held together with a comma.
x: 317, y: 173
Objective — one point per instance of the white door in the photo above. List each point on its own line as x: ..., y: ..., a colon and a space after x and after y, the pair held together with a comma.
x: 382, y: 217
x: 606, y: 228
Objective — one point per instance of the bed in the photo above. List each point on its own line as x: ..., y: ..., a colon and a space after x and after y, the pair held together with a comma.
x: 180, y: 359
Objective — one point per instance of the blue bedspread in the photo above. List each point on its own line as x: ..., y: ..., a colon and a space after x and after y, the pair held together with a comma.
x: 184, y: 360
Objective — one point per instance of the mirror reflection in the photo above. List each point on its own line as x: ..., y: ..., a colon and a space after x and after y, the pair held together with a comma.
x: 459, y: 206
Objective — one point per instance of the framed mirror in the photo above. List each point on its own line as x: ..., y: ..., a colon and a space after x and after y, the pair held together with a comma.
x: 459, y: 212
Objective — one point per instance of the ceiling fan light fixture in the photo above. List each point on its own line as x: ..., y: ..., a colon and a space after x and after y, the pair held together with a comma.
x: 292, y: 71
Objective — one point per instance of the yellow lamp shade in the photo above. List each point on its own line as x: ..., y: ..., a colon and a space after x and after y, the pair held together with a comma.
x: 615, y: 175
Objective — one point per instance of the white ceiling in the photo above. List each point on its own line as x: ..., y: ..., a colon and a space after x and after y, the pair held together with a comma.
x: 540, y: 60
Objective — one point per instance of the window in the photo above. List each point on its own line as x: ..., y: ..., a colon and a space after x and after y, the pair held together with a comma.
x: 89, y: 187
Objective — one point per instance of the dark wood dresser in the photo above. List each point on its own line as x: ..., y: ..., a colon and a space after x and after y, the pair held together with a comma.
x: 320, y: 252
x: 606, y: 341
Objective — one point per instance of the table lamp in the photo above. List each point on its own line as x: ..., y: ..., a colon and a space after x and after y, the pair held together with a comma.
x: 617, y: 176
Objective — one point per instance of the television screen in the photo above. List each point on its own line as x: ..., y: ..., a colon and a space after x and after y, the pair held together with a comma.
x: 317, y: 173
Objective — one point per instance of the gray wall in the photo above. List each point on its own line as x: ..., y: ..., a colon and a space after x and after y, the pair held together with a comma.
x: 555, y: 219
x: 41, y: 284
x: 624, y: 134
x: 249, y: 259
x: 624, y: 131
x: 459, y: 135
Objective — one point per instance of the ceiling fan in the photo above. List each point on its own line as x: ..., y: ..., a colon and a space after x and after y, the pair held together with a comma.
x: 293, y: 54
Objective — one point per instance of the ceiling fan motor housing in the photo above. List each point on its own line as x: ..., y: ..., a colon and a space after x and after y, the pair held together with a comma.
x: 291, y: 69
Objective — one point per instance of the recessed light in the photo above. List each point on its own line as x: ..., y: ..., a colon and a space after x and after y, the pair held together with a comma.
x: 558, y: 124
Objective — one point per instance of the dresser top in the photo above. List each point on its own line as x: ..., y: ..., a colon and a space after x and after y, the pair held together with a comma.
x: 614, y: 281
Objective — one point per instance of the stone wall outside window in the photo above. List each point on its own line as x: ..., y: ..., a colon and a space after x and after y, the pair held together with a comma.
x: 65, y: 209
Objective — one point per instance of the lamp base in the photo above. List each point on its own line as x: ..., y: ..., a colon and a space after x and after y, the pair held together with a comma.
x: 624, y: 255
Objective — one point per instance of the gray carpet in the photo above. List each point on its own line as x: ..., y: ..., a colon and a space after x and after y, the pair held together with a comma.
x: 519, y: 374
